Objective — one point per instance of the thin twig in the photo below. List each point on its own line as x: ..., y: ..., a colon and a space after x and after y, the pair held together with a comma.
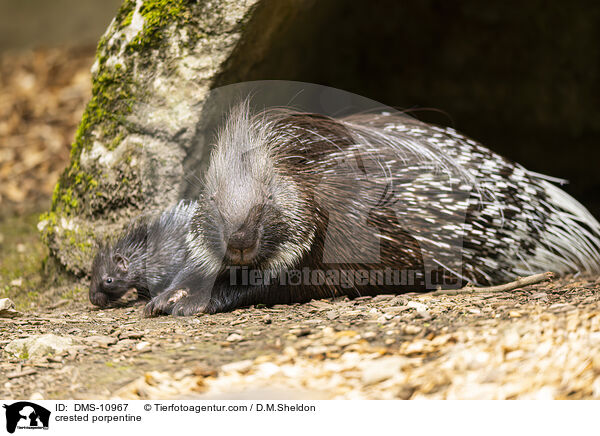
x: 22, y: 373
x: 520, y: 282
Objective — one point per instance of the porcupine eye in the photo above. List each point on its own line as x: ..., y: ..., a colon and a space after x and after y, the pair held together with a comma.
x: 109, y: 280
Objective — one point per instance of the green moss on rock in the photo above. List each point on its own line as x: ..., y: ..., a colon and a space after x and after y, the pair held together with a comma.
x: 158, y: 15
x: 137, y: 66
x: 113, y: 93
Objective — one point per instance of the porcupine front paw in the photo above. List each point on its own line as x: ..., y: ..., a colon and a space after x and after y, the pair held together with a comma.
x: 175, y: 302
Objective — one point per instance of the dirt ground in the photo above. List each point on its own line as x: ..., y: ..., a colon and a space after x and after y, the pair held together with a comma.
x: 540, y: 341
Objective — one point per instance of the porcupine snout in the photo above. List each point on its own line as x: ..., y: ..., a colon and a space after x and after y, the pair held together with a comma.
x: 243, y: 243
x: 242, y: 247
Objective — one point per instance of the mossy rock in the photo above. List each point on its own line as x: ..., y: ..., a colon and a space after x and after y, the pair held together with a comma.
x: 154, y: 68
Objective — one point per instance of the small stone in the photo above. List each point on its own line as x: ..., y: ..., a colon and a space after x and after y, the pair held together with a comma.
x: 346, y: 340
x: 141, y: 346
x: 125, y: 343
x: 16, y: 282
x: 290, y: 352
x: 234, y: 337
x: 39, y: 346
x: 299, y: 332
x: 376, y: 371
x: 100, y: 341
x: 405, y: 392
x: 36, y: 396
x: 511, y: 341
x: 204, y: 370
x: 414, y: 347
x: 398, y: 301
x: 514, y: 355
x: 416, y: 305
x: 332, y: 314
x: 7, y: 308
x: 267, y: 369
x: 412, y: 329
x: 131, y: 335
x: 267, y: 319
x: 316, y: 350
x: 243, y: 366
x: 420, y: 308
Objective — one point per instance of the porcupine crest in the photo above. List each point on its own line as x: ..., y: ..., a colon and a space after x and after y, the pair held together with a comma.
x: 247, y: 198
x: 381, y: 187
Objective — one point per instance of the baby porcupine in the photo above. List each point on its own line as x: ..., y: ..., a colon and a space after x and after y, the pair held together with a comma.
x: 147, y: 256
x: 298, y: 206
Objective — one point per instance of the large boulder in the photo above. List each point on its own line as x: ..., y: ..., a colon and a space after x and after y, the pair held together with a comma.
x: 142, y: 127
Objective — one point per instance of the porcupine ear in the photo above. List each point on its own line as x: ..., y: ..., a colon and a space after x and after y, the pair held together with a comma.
x: 122, y: 262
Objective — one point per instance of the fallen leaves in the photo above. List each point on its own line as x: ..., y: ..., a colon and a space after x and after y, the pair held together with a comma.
x: 43, y: 96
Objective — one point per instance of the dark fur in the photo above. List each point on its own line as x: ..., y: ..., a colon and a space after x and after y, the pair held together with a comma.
x: 294, y: 191
x: 147, y: 256
x: 305, y: 144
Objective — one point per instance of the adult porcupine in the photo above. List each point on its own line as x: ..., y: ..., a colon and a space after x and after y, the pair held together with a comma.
x: 298, y: 206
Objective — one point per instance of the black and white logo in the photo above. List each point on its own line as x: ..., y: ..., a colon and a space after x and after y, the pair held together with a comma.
x: 26, y: 415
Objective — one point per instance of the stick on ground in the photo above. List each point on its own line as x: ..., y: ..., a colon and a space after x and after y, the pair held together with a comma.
x: 519, y: 283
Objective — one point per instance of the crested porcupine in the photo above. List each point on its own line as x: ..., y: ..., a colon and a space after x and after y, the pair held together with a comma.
x: 298, y: 206
x: 147, y: 256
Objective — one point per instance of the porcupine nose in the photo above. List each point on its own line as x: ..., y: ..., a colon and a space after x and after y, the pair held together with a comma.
x: 242, y: 246
x: 99, y: 299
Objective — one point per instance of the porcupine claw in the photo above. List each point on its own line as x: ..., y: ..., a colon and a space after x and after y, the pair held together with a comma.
x: 178, y: 302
